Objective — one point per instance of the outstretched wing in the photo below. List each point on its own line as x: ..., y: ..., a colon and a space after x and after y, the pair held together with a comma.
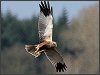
x: 56, y: 59
x: 45, y: 22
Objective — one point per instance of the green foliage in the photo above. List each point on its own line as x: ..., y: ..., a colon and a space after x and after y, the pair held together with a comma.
x: 62, y: 21
x: 15, y: 31
x: 60, y: 26
x: 79, y: 41
x: 25, y: 31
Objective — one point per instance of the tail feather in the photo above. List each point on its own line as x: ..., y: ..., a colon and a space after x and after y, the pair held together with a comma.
x: 30, y: 48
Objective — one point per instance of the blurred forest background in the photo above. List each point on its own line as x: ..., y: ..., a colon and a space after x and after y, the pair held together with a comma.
x: 78, y: 42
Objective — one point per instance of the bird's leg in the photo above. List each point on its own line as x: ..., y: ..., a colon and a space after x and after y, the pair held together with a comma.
x: 34, y: 49
x: 39, y: 46
x: 38, y: 53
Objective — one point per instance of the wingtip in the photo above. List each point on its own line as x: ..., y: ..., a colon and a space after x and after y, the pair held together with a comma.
x: 45, y: 8
x: 60, y: 67
x: 51, y: 10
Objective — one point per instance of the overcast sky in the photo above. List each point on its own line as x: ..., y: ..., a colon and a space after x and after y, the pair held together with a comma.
x: 25, y: 9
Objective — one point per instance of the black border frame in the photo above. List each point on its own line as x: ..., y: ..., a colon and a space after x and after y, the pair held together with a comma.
x: 47, y: 0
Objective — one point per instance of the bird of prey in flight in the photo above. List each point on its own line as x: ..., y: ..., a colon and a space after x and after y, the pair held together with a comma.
x: 46, y: 44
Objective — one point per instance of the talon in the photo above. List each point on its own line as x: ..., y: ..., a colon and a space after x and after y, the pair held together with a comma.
x: 36, y: 51
x: 37, y: 48
x: 37, y: 54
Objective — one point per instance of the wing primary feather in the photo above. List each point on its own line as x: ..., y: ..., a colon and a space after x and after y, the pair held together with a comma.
x: 40, y: 7
x: 45, y: 4
x: 56, y: 59
x: 65, y: 66
x: 45, y: 8
x: 48, y: 5
x: 51, y: 10
x: 45, y: 23
x: 60, y: 67
x: 42, y: 4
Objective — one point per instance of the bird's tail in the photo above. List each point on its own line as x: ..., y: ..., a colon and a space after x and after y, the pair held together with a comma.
x: 32, y: 49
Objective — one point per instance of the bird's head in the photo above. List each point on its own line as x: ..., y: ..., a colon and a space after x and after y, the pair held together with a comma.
x: 54, y: 44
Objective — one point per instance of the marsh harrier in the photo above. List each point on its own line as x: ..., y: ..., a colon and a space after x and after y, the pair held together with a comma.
x: 46, y: 45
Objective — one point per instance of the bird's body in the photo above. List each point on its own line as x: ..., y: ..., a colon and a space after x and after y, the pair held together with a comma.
x: 46, y: 44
